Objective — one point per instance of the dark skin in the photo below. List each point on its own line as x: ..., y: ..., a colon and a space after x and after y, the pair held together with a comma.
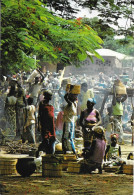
x: 90, y: 107
x: 91, y: 151
x: 118, y: 98
x: 113, y: 144
x: 132, y: 118
x: 70, y: 98
x: 45, y: 102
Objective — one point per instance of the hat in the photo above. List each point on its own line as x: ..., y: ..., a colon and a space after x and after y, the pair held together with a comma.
x: 98, y: 129
x: 92, y: 100
x: 114, y: 135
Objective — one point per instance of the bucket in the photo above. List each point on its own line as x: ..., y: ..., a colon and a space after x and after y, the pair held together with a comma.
x: 51, y: 166
x: 75, y: 89
x: 8, y: 166
x: 119, y: 88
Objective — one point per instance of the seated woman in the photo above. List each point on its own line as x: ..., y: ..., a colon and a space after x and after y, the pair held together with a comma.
x: 93, y: 157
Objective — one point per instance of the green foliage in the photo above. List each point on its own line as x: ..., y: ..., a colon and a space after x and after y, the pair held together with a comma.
x: 62, y: 7
x: 103, y: 30
x: 28, y: 29
x: 110, y: 11
x: 107, y: 33
x: 124, y: 45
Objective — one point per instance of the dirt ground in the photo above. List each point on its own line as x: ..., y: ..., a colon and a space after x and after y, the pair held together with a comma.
x: 90, y: 184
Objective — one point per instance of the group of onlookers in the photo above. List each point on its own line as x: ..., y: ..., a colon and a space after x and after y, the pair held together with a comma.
x: 43, y: 104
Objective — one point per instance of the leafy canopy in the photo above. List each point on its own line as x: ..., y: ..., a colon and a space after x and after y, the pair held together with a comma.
x: 28, y: 29
x: 111, y: 11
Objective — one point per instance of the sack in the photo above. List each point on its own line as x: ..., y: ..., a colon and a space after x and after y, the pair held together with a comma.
x: 119, y: 88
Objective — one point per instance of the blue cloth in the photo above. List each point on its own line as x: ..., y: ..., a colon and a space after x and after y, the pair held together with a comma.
x: 68, y: 137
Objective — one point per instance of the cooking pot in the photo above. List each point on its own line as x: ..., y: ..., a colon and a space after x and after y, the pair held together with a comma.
x: 26, y: 166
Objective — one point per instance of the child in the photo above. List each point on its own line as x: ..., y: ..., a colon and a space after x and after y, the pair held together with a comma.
x: 113, y: 151
x: 113, y: 154
x: 29, y: 127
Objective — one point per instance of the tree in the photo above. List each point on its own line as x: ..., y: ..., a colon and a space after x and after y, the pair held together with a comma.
x: 103, y: 30
x: 28, y: 29
x: 125, y: 45
x: 111, y: 11
x: 62, y: 8
x: 107, y: 33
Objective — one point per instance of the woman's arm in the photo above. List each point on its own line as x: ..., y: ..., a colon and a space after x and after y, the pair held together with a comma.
x: 67, y: 99
x: 81, y: 119
x: 107, y: 149
x: 98, y: 118
x: 114, y: 96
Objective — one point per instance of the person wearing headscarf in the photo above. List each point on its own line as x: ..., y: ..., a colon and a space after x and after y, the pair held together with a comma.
x: 10, y: 111
x: 117, y: 106
x: 89, y: 118
x: 93, y: 156
x: 46, y: 125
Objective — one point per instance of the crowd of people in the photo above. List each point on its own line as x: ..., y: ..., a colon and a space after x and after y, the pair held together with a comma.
x: 35, y: 102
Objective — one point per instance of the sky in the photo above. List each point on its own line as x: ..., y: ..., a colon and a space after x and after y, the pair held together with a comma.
x: 90, y: 14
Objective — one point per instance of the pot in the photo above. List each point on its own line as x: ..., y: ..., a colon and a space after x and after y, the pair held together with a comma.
x: 26, y: 166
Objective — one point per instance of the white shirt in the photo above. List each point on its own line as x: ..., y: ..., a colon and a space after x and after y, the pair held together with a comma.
x: 30, y: 115
x: 36, y: 89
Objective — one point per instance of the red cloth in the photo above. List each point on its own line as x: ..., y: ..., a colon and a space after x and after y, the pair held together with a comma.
x: 46, y: 117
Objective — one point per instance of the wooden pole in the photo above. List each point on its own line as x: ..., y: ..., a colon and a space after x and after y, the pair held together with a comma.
x: 132, y: 121
x: 132, y: 135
